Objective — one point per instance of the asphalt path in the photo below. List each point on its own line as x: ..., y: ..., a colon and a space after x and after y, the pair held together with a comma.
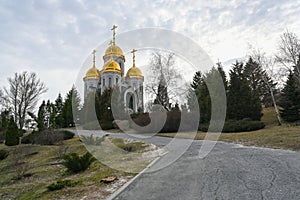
x: 229, y: 171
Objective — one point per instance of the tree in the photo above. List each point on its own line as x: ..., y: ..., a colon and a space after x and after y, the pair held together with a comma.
x: 70, y: 109
x: 87, y: 112
x: 58, y: 106
x: 41, y: 121
x: 164, y: 79
x: 291, y: 100
x: 268, y: 74
x: 12, y: 135
x: 289, y: 54
x: 22, y: 95
x: 242, y: 101
x: 193, y: 90
x: 104, y: 111
x: 4, y: 119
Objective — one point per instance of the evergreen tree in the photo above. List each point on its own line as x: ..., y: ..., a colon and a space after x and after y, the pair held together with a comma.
x: 41, y: 123
x: 193, y: 91
x: 4, y: 119
x: 58, y: 106
x: 242, y: 101
x: 162, y: 97
x: 118, y: 105
x: 88, y: 110
x: 12, y: 135
x: 104, y: 112
x: 70, y: 108
x: 197, y: 79
x: 291, y: 100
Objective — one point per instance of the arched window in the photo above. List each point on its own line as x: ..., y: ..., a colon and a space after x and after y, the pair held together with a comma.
x: 103, y: 81
x: 117, y: 80
x: 109, y: 81
x: 131, y: 102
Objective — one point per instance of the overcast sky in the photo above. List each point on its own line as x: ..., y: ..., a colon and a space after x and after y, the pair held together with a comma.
x: 54, y: 37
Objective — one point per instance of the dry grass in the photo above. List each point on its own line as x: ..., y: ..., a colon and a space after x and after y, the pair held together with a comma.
x: 273, y: 136
x: 45, y: 168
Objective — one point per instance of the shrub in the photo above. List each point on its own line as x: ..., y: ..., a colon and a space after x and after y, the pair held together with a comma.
x: 91, y: 140
x: 47, y: 137
x: 175, y: 120
x: 62, y: 184
x: 106, y: 125
x: 2, y: 136
x: 237, y: 126
x: 12, y: 133
x: 75, y: 163
x: 129, y: 147
x: 3, y: 154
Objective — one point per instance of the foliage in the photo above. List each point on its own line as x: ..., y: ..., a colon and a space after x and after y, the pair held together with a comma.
x: 60, y: 184
x: 232, y: 126
x: 59, y: 105
x: 12, y: 135
x: 128, y: 147
x: 175, y: 120
x: 242, y: 101
x: 91, y: 140
x: 88, y: 110
x: 75, y: 163
x: 3, y: 154
x: 290, y: 103
x: 47, y: 137
x: 4, y: 119
x: 70, y: 108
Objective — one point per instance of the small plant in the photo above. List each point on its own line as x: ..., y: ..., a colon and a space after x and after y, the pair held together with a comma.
x: 91, y: 140
x: 62, y: 184
x: 3, y: 154
x: 76, y: 163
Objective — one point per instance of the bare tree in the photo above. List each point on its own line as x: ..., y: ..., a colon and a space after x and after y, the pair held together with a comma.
x: 22, y: 95
x: 164, y: 76
x: 267, y: 64
x: 289, y: 53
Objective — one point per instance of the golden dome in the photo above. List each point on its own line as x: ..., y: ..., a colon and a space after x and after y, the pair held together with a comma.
x: 114, y: 50
x: 134, y: 72
x: 92, y: 73
x: 111, y: 66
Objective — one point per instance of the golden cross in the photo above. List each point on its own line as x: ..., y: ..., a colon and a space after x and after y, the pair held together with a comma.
x: 133, y: 55
x: 94, y: 58
x: 114, y: 33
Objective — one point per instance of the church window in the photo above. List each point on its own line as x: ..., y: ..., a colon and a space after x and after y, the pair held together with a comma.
x: 117, y: 80
x: 103, y: 81
x: 109, y: 82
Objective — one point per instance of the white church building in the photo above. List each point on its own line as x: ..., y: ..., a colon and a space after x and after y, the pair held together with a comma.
x: 113, y: 73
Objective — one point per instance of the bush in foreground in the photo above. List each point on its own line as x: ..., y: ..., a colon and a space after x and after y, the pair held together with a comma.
x: 47, y: 137
x: 62, y: 184
x: 3, y: 154
x: 236, y: 126
x: 75, y: 163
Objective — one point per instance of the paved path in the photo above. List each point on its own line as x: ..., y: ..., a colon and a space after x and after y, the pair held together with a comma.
x: 228, y: 172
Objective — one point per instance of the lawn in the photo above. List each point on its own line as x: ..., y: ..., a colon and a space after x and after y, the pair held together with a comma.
x: 41, y: 166
x: 272, y: 136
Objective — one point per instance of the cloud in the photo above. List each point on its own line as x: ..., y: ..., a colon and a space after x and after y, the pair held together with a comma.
x: 54, y: 37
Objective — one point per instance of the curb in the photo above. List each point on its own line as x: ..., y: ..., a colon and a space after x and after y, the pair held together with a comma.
x: 120, y: 190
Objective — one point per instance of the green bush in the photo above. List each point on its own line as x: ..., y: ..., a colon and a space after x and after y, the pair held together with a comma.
x: 2, y: 136
x: 129, y: 147
x: 12, y: 135
x: 3, y: 154
x: 175, y: 121
x: 47, y: 137
x: 106, y: 125
x: 232, y: 126
x: 75, y: 163
x: 62, y: 184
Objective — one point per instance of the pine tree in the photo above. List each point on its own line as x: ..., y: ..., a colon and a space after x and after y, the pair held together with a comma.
x: 70, y: 109
x: 242, y: 101
x: 12, y: 135
x: 4, y: 119
x: 58, y: 106
x: 41, y: 123
x: 162, y: 97
x: 88, y: 110
x: 291, y: 100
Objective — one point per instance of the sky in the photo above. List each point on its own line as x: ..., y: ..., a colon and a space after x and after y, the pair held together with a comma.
x: 53, y: 38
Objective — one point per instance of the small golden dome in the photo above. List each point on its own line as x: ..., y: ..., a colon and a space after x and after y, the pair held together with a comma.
x: 134, y: 72
x: 92, y: 73
x: 114, y: 50
x: 111, y: 66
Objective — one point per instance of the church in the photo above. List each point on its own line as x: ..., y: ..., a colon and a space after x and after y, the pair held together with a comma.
x: 113, y: 74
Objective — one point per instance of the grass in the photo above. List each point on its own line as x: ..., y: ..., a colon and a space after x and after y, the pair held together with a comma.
x: 44, y: 168
x: 272, y: 136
